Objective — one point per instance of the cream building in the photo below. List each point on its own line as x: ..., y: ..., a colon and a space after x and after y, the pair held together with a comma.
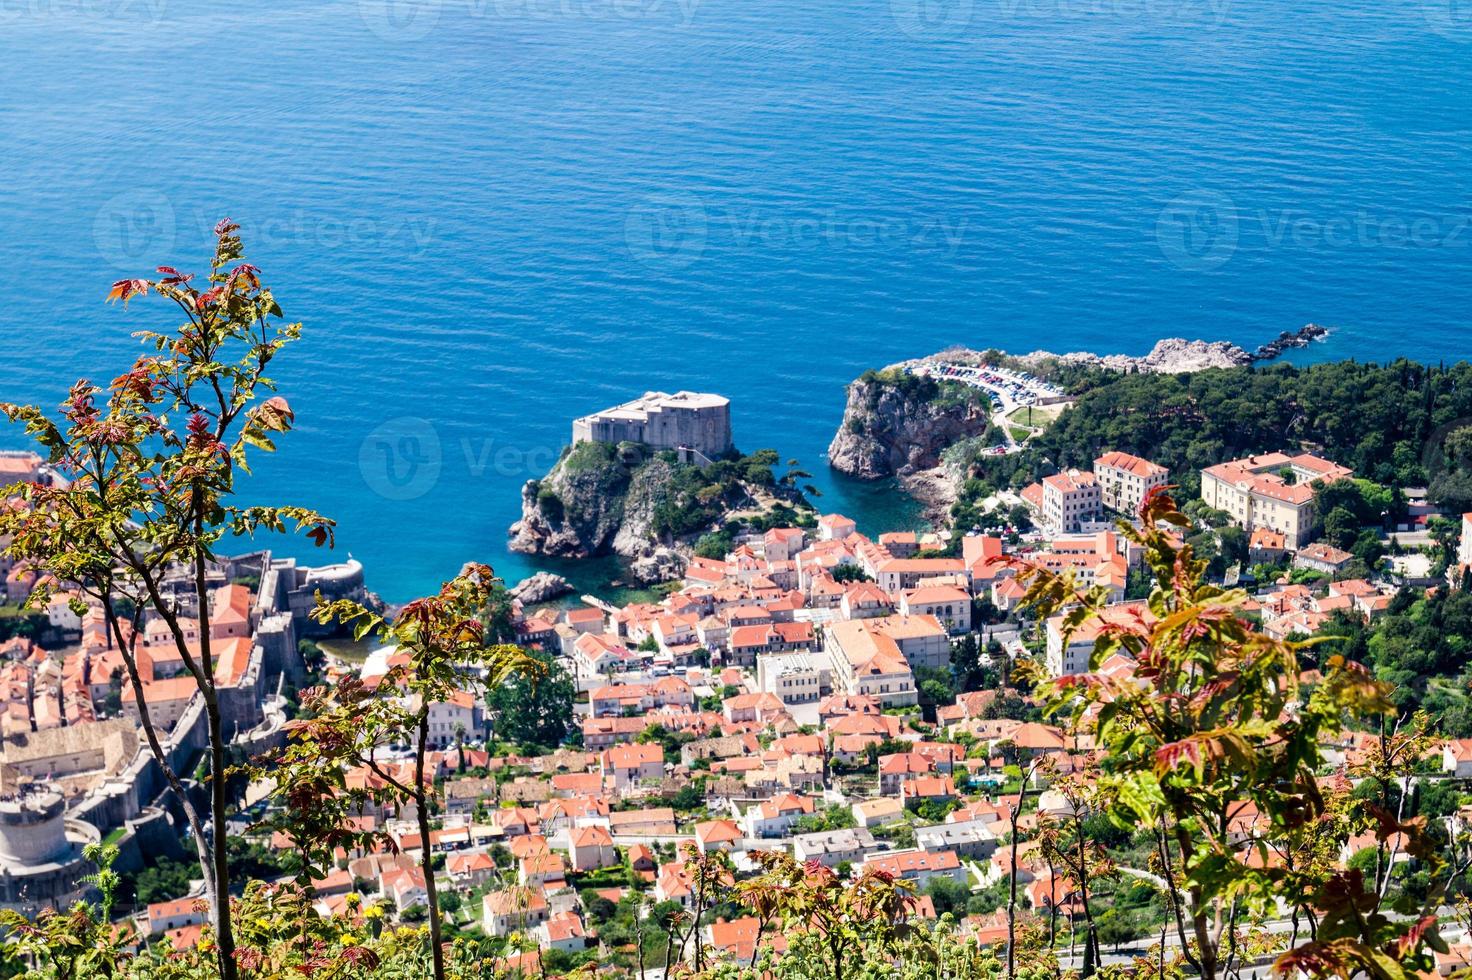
x: 870, y: 663
x: 1124, y: 480
x: 1070, y: 500
x: 1256, y: 494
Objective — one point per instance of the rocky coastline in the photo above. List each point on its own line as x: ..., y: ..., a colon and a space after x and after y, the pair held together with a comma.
x: 895, y: 425
x: 1176, y: 355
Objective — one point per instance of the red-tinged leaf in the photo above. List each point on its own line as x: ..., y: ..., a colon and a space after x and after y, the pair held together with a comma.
x: 319, y: 535
x: 1171, y: 755
x: 125, y: 289
x: 275, y: 414
x: 1411, y: 940
x: 172, y: 276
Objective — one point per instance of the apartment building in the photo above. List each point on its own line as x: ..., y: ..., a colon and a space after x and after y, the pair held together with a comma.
x: 1273, y: 491
x: 1070, y: 500
x: 1125, y: 480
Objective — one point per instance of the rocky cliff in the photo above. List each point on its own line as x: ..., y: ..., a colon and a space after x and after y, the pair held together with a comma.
x: 592, y: 502
x: 600, y: 500
x: 895, y: 423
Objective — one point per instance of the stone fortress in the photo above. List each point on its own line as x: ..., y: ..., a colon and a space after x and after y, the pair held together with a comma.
x: 693, y: 424
x: 41, y: 861
x: 70, y: 777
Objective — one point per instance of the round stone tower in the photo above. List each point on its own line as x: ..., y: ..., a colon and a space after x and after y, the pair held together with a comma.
x: 33, y: 829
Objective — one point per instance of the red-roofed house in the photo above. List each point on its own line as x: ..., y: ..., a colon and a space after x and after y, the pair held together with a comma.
x: 591, y: 848
x: 628, y: 765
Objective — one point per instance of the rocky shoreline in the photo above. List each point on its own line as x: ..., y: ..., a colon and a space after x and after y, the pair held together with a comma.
x: 894, y: 427
x: 1176, y: 355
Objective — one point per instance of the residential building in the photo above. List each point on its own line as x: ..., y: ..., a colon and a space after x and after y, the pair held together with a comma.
x: 895, y: 575
x: 630, y: 764
x: 919, y: 867
x: 835, y: 527
x: 775, y: 817
x: 513, y: 910
x: 1070, y: 500
x: 969, y: 838
x: 1322, y: 557
x: 1456, y: 758
x: 795, y: 678
x: 948, y: 605
x: 832, y: 847
x: 590, y: 848
x: 1273, y: 490
x: 1125, y: 480
x: 1071, y: 656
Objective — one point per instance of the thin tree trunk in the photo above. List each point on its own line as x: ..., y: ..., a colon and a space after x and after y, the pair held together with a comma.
x: 225, y: 934
x: 1012, y: 895
x: 224, y: 928
x: 150, y: 734
x: 1091, y: 937
x: 1205, y: 948
x: 426, y: 855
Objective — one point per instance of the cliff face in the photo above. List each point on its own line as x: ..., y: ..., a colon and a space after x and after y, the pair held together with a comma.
x: 892, y: 426
x: 591, y: 504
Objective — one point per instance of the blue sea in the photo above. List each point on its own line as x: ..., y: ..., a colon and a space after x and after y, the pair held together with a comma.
x: 495, y: 215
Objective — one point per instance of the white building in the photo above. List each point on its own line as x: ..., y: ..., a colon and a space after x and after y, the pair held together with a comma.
x: 687, y: 420
x: 1072, y: 657
x: 1125, y: 480
x: 775, y: 817
x: 947, y: 604
x: 968, y: 838
x: 795, y: 678
x: 1070, y: 500
x: 832, y: 847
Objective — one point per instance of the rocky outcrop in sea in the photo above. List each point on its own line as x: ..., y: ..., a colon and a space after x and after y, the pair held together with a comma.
x: 583, y: 509
x: 1176, y: 355
x: 541, y: 587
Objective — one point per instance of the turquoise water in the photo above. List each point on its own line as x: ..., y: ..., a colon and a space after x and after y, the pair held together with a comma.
x: 494, y: 216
